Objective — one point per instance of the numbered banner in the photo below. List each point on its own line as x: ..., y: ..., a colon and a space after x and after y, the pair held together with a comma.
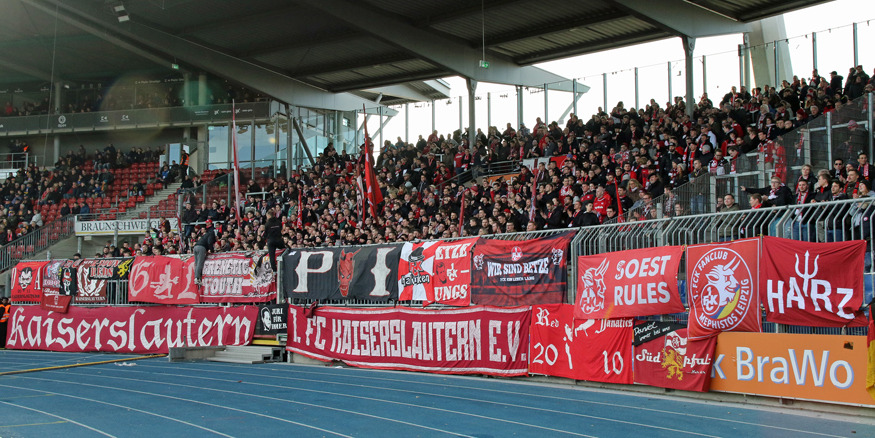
x: 436, y: 272
x: 594, y: 350
x: 723, y: 279
x: 515, y: 273
x: 813, y: 284
x: 622, y: 284
x: 472, y: 340
x: 163, y: 280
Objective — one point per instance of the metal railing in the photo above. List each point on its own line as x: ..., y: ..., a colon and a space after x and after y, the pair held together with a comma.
x: 35, y: 241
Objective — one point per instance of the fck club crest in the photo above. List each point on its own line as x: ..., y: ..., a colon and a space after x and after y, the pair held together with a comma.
x: 516, y: 253
x: 722, y: 281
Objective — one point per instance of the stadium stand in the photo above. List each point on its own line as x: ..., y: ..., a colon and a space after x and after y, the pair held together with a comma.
x: 621, y: 162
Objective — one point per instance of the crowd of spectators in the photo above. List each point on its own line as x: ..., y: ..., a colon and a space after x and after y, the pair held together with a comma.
x: 76, y: 177
x: 609, y: 167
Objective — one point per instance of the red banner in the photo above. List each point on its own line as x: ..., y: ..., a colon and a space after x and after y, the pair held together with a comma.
x: 163, y: 280
x: 55, y: 302
x: 722, y: 280
x: 232, y: 278
x: 671, y: 361
x: 473, y: 340
x: 138, y: 330
x: 630, y: 283
x: 514, y: 273
x: 52, y: 276
x: 594, y: 350
x: 436, y: 272
x: 813, y: 284
x: 26, y: 281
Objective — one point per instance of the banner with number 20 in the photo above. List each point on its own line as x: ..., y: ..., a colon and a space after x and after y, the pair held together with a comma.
x: 598, y: 350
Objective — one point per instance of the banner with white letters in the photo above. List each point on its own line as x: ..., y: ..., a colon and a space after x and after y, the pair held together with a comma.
x: 813, y: 284
x: 344, y: 273
x: 471, y: 340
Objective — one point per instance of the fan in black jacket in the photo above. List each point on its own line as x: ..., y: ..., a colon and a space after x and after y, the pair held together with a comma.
x: 775, y: 195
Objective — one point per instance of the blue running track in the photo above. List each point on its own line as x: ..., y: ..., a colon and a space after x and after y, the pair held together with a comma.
x: 156, y: 398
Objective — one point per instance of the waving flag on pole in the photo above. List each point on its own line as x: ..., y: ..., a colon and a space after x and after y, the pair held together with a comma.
x: 373, y: 194
x: 300, y: 222
x: 236, y: 163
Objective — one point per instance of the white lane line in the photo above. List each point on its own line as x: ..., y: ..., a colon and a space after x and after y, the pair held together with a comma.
x: 517, y: 394
x: 380, y: 400
x: 121, y: 406
x: 186, y: 400
x: 593, y: 417
x: 60, y: 418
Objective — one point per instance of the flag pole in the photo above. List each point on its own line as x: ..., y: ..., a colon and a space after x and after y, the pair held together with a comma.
x: 236, y: 162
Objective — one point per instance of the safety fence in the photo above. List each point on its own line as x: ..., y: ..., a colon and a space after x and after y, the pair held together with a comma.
x: 37, y: 240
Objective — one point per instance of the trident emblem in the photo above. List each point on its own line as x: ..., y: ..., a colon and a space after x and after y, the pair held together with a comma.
x: 806, y: 277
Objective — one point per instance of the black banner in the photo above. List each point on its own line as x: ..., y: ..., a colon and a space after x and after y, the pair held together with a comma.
x: 107, y: 269
x: 69, y: 282
x: 272, y: 319
x: 346, y: 273
x: 649, y: 330
x: 520, y: 273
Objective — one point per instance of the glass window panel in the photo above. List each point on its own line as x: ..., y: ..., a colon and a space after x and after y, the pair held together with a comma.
x: 217, y: 136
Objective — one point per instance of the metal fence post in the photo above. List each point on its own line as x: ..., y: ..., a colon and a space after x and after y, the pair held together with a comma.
x: 829, y: 137
x: 280, y: 294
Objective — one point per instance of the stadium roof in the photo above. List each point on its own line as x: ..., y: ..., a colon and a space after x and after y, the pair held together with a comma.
x: 295, y: 50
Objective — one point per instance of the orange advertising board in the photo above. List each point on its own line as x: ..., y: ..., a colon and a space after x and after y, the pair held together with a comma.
x: 810, y: 367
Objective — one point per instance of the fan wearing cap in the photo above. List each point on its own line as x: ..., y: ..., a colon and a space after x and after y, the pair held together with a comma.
x: 201, y: 248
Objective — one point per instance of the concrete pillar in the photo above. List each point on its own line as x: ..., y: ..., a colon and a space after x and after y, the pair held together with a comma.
x: 765, y: 59
x: 202, y: 91
x: 472, y: 116
x: 488, y: 110
x: 856, y: 48
x: 186, y: 89
x: 670, y: 93
x: 407, y: 123
x: 747, y: 64
x: 546, y: 105
x: 519, y: 105
x: 814, y: 50
x: 637, y: 97
x: 605, y: 92
x: 704, y: 74
x: 59, y: 101
x: 432, y: 117
x: 689, y: 48
x: 56, y: 140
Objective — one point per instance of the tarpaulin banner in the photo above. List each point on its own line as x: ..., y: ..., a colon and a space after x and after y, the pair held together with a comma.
x: 69, y: 284
x: 647, y: 331
x: 363, y: 273
x: 107, y: 269
x: 272, y: 319
x: 26, y: 281
x: 92, y: 289
x: 672, y: 361
x: 54, y: 302
x: 811, y: 367
x: 722, y: 279
x: 624, y: 284
x: 235, y: 277
x: 52, y: 276
x: 436, y: 272
x: 138, y: 330
x: 163, y: 280
x: 516, y: 273
x: 813, y: 284
x: 594, y: 350
x: 472, y: 340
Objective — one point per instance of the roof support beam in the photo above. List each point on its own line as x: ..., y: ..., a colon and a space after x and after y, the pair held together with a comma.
x: 403, y: 91
x: 681, y: 18
x: 452, y: 55
x: 276, y: 84
x: 565, y: 25
x: 30, y: 71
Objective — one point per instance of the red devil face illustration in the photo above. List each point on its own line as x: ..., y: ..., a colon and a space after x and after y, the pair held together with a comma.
x: 345, y: 269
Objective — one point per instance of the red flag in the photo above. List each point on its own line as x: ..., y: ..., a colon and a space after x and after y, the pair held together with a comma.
x: 300, y: 223
x: 462, y: 212
x: 236, y: 163
x: 374, y: 196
